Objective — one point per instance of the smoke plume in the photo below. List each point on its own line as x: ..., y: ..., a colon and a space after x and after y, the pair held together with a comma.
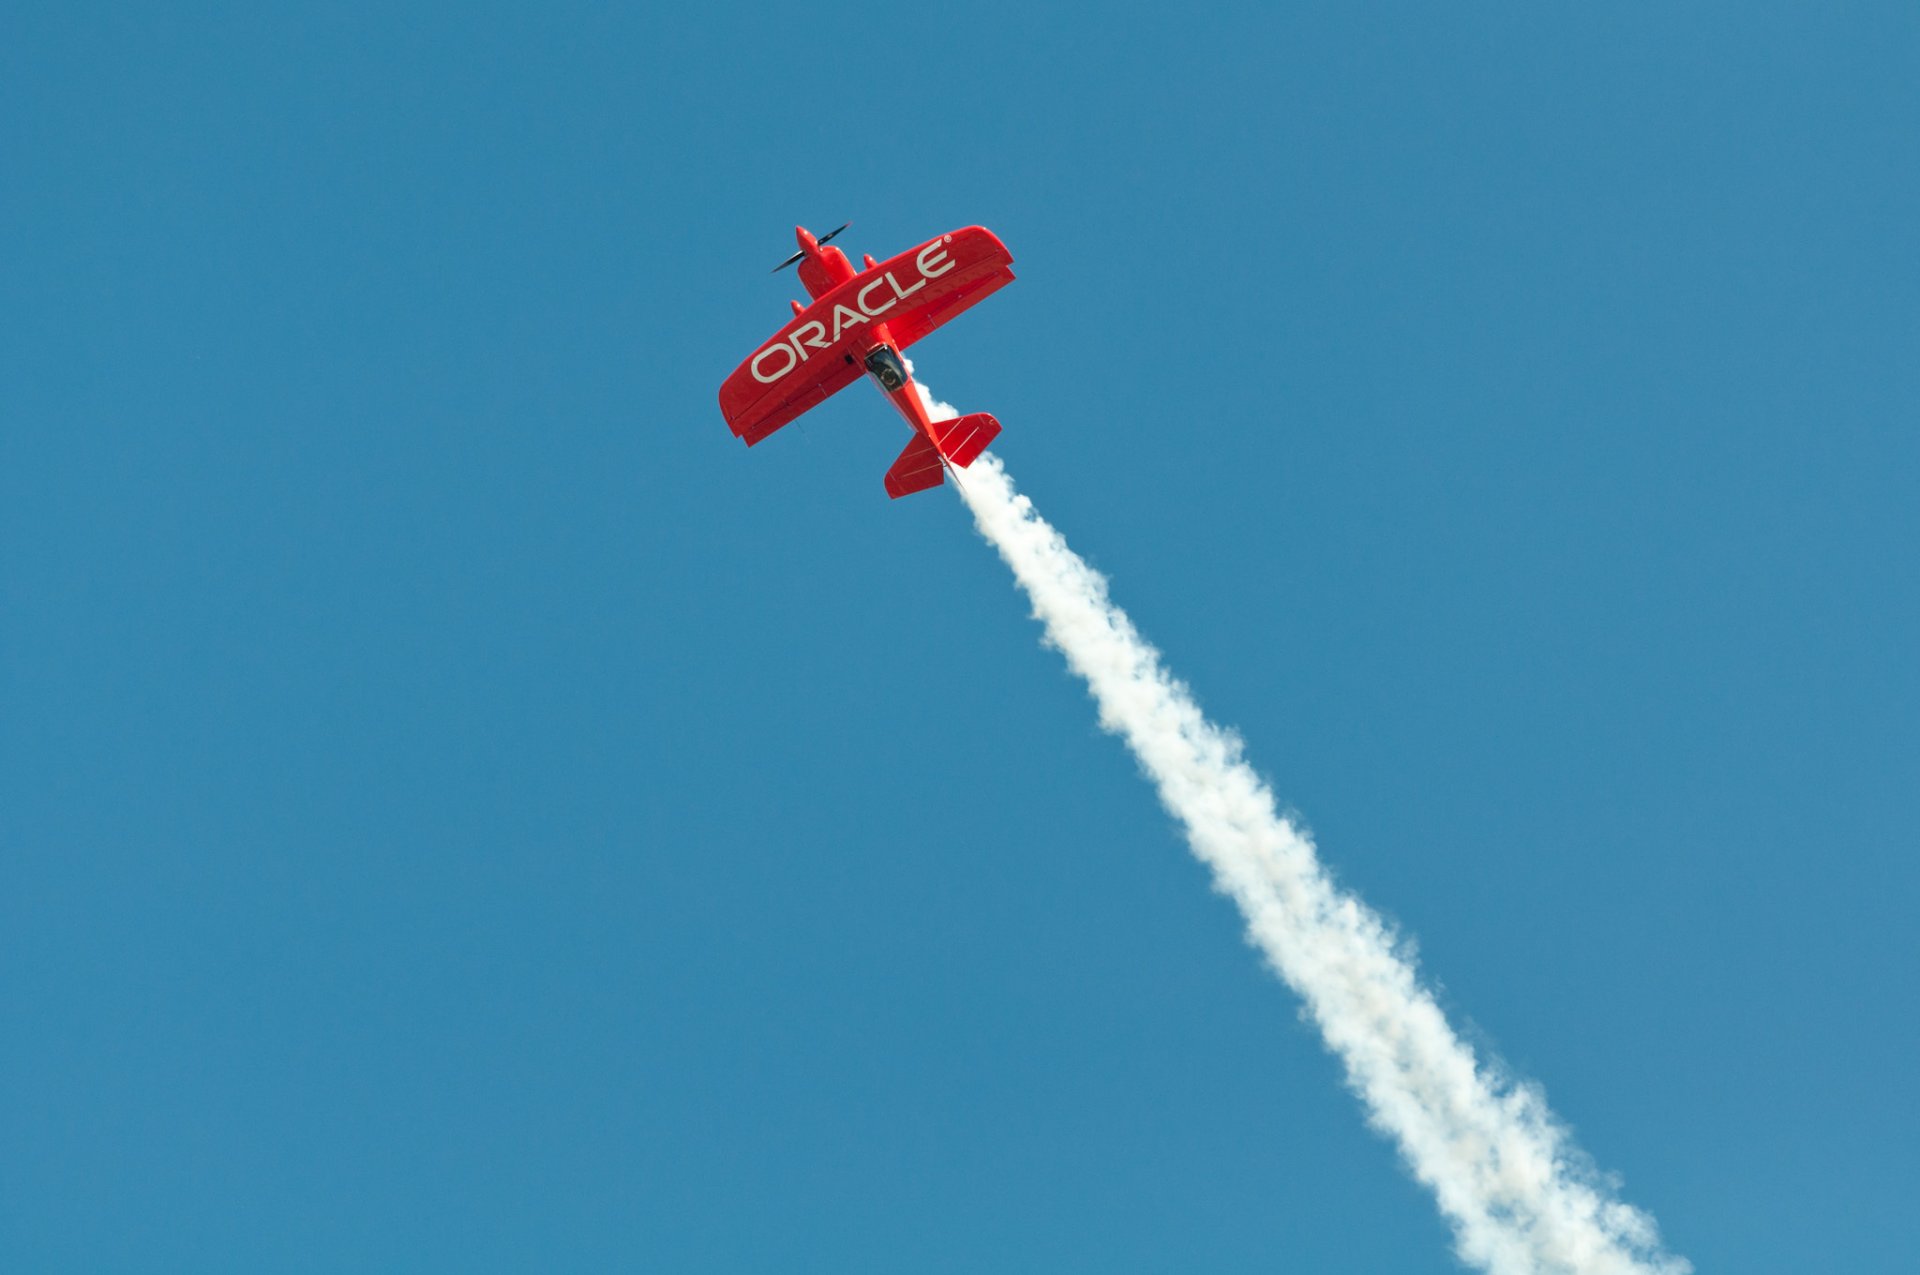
x: 1521, y: 1199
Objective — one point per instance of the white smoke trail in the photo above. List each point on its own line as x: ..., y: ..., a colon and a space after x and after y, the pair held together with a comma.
x: 1520, y: 1198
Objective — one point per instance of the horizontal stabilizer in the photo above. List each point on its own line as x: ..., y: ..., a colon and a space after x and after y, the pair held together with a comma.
x: 963, y: 438
x: 917, y: 469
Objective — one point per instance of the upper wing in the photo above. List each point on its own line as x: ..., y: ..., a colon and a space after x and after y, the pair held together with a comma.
x: 818, y: 353
x: 786, y: 376
x: 972, y: 264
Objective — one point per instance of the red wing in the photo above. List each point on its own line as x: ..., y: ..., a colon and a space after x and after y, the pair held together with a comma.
x: 981, y: 266
x: 755, y: 407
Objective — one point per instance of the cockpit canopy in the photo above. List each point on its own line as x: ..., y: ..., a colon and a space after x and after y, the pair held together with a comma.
x: 886, y: 367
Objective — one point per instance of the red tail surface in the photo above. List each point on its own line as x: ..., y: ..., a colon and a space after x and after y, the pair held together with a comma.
x: 963, y: 438
x: 917, y: 469
x: 961, y: 442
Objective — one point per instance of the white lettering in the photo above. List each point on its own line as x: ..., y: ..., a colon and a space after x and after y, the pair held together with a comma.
x: 852, y: 317
x: 862, y: 299
x: 801, y: 340
x: 759, y: 358
x: 932, y: 262
x: 901, y: 293
x: 930, y: 256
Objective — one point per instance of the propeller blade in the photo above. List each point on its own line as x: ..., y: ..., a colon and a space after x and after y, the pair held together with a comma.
x: 836, y: 230
x: 789, y: 261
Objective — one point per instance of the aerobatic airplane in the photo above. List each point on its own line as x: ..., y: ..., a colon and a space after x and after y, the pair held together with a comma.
x: 860, y: 321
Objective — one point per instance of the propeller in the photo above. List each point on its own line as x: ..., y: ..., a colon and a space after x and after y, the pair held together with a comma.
x: 798, y: 255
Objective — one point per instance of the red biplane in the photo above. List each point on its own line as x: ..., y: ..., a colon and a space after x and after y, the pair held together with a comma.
x: 860, y: 321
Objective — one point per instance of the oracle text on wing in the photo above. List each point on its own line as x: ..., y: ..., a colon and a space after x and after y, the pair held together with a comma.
x: 870, y: 301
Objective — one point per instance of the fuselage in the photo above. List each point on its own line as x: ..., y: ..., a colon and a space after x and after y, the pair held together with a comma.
x: 825, y: 268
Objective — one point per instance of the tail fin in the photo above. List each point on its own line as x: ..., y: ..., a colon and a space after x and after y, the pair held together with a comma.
x: 918, y: 468
x: 963, y: 438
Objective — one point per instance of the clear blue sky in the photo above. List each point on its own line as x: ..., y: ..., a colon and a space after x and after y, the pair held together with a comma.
x: 461, y: 811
